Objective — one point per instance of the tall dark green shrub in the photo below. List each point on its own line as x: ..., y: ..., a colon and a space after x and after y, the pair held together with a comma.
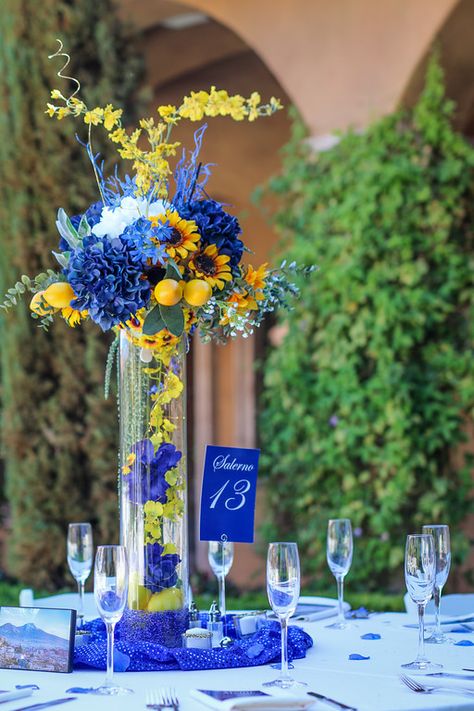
x: 59, y: 434
x: 366, y: 399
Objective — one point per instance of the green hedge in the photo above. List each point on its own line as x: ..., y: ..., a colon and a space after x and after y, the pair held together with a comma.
x: 59, y: 435
x: 366, y: 399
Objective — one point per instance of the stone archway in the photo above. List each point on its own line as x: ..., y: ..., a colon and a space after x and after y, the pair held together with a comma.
x: 454, y: 40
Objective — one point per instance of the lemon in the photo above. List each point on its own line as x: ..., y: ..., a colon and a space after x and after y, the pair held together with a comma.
x: 197, y: 292
x: 59, y: 295
x: 38, y: 305
x: 168, y: 292
x: 138, y: 597
x: 170, y: 599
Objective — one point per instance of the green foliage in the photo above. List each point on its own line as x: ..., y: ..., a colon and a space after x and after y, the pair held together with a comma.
x: 59, y: 435
x: 366, y: 400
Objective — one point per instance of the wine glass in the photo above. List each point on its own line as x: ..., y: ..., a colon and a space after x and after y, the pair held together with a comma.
x: 283, y: 590
x: 221, y: 557
x: 442, y: 546
x: 110, y: 591
x: 80, y: 553
x: 420, y: 572
x: 339, y: 557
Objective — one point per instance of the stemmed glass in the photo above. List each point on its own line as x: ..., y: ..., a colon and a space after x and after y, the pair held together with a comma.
x: 283, y: 590
x: 442, y: 546
x: 339, y: 556
x: 80, y: 553
x: 420, y: 572
x: 221, y: 557
x: 110, y: 590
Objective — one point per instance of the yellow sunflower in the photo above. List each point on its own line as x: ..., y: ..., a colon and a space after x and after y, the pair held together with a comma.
x: 73, y: 316
x: 211, y: 266
x: 184, y: 234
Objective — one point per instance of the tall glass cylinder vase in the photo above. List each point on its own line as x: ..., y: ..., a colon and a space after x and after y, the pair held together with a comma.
x: 153, y: 512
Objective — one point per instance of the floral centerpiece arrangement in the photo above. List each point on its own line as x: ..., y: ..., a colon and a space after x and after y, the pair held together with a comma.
x: 155, y: 260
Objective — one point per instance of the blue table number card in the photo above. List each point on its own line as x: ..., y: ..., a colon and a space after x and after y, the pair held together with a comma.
x: 228, y: 494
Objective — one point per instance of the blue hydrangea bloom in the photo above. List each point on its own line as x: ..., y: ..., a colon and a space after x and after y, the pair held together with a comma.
x: 92, y: 213
x: 161, y: 569
x: 216, y: 226
x: 107, y: 280
x: 147, y: 478
x: 144, y: 240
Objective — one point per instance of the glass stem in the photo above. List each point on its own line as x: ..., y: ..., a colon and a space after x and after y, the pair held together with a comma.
x: 110, y: 653
x: 80, y: 587
x: 421, y: 633
x: 340, y: 597
x: 284, y: 649
x: 437, y: 600
x: 221, y: 580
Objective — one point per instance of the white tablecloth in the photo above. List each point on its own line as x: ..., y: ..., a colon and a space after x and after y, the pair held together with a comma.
x: 371, y: 685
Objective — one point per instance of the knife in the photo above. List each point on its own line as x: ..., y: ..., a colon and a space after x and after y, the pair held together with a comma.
x: 45, y: 704
x: 447, y: 675
x: 337, y: 704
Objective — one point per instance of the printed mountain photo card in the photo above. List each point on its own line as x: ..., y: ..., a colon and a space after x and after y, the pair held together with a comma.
x: 35, y: 638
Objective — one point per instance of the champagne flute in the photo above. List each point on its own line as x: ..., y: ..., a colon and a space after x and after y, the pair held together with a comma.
x: 442, y: 546
x: 283, y: 590
x: 221, y: 557
x: 420, y: 572
x: 111, y: 590
x: 339, y: 556
x: 80, y: 553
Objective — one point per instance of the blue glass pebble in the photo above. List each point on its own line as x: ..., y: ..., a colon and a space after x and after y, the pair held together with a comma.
x: 464, y: 643
x: 358, y: 657
x: 371, y: 635
x: 141, y: 652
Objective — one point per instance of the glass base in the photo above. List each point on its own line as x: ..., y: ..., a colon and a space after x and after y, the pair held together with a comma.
x: 422, y: 665
x: 339, y: 625
x: 112, y: 691
x: 437, y: 639
x: 286, y: 683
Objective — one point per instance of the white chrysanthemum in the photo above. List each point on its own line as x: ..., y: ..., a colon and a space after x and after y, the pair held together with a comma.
x: 114, y: 221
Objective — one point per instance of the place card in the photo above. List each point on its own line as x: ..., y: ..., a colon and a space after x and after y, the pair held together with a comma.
x: 37, y: 638
x: 228, y: 494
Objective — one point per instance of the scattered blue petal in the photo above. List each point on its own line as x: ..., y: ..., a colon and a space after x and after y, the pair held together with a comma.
x: 371, y: 635
x: 464, y: 643
x: 358, y: 657
x: 255, y: 650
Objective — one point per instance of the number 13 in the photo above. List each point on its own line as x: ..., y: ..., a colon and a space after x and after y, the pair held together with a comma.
x: 241, y: 487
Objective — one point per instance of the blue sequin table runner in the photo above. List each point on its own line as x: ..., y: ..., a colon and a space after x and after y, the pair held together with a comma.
x: 144, y: 655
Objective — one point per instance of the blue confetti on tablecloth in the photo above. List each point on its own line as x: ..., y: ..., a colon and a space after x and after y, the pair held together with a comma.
x: 134, y: 655
x: 358, y: 657
x: 371, y: 635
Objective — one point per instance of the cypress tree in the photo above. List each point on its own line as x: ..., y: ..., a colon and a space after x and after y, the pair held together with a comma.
x: 59, y: 434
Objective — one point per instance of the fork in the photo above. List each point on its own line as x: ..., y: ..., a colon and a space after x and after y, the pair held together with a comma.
x: 168, y: 699
x: 423, y: 689
x: 152, y: 701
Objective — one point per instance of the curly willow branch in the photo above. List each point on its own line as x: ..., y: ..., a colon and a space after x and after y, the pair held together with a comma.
x: 60, y: 53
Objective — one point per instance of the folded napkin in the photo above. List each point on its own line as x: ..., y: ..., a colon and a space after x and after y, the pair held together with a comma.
x: 248, y: 700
